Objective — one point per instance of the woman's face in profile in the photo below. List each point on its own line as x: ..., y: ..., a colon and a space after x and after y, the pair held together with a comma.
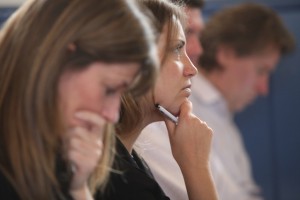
x: 174, y: 80
x: 97, y: 88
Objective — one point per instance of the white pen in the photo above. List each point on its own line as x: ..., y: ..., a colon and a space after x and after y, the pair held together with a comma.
x: 167, y: 113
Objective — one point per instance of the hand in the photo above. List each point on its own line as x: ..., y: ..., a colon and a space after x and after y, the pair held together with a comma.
x: 84, y: 149
x: 190, y: 139
x: 190, y: 142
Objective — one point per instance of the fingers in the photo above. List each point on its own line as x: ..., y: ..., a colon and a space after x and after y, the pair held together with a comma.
x: 185, y: 111
x: 83, y: 152
x: 93, y: 122
x: 170, y: 126
x: 80, y: 141
x: 190, y: 139
x: 83, y: 146
x: 186, y: 108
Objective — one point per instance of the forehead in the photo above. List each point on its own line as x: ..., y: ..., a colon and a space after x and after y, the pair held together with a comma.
x: 270, y: 58
x: 180, y: 33
x: 176, y: 33
x: 124, y: 70
x: 195, y: 19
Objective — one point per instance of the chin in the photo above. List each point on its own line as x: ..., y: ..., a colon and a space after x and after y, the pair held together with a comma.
x: 187, y: 92
x: 242, y: 107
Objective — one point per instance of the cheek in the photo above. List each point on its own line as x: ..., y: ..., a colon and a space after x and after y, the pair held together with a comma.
x: 83, y: 96
x: 246, y: 77
x: 166, y: 86
x: 189, y: 49
x: 160, y: 90
x: 90, y: 99
x: 163, y: 91
x: 167, y: 95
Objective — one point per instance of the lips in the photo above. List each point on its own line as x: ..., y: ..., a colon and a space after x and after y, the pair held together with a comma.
x: 187, y: 90
x: 187, y: 87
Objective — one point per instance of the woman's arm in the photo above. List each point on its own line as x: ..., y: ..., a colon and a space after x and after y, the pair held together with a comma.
x: 191, y: 142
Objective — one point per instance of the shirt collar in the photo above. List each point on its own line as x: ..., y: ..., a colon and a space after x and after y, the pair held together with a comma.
x: 205, y: 90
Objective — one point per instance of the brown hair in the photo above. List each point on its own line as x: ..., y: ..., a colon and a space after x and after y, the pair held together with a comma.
x: 190, y: 3
x: 34, y: 53
x: 247, y: 29
x: 132, y: 112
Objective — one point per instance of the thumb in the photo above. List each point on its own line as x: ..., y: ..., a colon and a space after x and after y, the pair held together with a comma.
x: 185, y: 108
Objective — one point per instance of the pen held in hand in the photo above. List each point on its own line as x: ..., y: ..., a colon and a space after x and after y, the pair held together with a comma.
x: 167, y: 114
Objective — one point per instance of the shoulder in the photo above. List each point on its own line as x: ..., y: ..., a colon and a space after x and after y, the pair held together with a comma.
x: 129, y: 182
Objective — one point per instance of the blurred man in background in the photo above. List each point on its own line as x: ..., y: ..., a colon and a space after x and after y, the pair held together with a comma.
x: 241, y: 48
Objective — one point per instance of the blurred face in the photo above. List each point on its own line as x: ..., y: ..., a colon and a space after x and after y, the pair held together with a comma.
x: 249, y: 77
x: 174, y: 81
x: 97, y: 88
x: 193, y: 31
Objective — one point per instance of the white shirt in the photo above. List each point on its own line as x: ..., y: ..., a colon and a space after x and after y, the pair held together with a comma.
x: 230, y: 163
x: 229, y: 160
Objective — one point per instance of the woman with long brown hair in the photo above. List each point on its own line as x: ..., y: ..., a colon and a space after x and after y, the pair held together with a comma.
x: 64, y: 65
x: 190, y: 138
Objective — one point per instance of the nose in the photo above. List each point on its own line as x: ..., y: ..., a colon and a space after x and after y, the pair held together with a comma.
x: 189, y: 69
x: 262, y: 86
x: 111, y: 109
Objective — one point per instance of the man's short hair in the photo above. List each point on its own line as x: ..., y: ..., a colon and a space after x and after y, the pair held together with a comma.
x: 247, y: 29
x: 191, y: 3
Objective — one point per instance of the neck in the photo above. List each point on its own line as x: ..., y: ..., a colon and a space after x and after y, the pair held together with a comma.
x: 152, y: 115
x: 128, y: 139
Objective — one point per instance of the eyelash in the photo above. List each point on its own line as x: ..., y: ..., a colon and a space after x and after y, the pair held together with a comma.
x: 178, y: 48
x: 110, y: 91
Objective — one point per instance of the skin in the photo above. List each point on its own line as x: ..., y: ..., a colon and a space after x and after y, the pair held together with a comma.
x: 244, y: 78
x: 173, y: 84
x: 246, y: 83
x: 191, y: 139
x: 195, y: 25
x: 89, y: 99
x: 97, y: 89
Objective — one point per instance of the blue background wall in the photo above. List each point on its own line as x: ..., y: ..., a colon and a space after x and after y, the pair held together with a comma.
x: 5, y: 13
x: 271, y: 125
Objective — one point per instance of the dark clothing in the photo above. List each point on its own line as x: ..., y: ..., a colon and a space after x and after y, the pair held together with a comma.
x: 6, y: 189
x: 8, y: 192
x: 133, y: 181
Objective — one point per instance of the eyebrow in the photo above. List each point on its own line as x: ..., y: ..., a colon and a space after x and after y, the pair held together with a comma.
x: 179, y: 41
x: 125, y: 85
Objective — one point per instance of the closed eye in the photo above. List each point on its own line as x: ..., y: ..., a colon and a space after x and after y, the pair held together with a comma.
x: 119, y: 89
x: 110, y: 91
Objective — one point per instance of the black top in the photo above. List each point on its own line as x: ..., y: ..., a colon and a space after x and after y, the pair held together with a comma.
x: 6, y: 189
x: 134, y: 180
x: 8, y: 192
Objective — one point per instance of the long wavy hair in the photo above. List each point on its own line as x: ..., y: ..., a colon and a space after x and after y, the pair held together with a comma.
x: 165, y: 14
x: 34, y: 52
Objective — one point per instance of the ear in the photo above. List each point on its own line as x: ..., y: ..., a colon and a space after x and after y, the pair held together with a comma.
x: 225, y: 56
x: 72, y: 47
